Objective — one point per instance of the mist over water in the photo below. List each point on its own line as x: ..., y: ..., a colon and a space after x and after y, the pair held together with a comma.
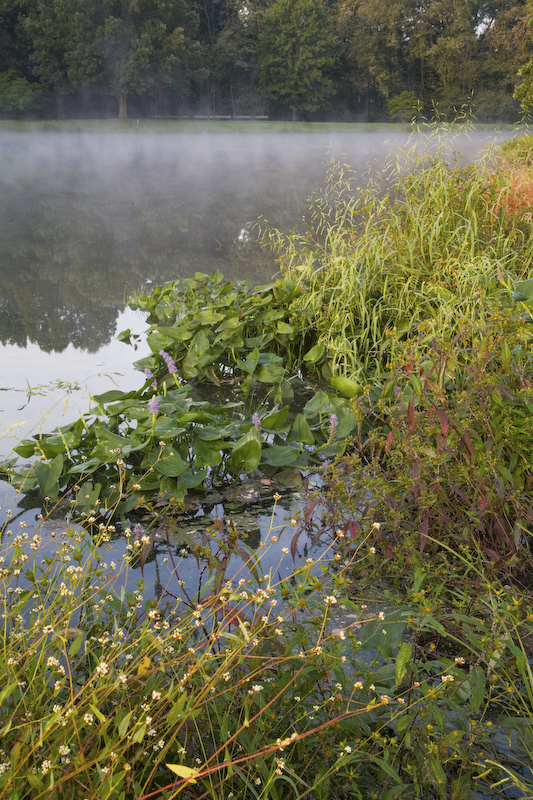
x: 88, y: 218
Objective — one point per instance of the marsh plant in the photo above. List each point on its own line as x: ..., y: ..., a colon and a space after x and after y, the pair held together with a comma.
x: 254, y: 687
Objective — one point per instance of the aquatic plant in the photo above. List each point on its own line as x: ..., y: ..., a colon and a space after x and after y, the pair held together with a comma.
x: 165, y: 437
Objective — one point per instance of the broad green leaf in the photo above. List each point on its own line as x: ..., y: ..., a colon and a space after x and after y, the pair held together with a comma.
x: 168, y: 462
x: 124, y: 723
x: 285, y: 456
x: 167, y: 428
x: 179, y: 333
x: 112, y: 396
x: 6, y: 691
x: 346, y: 387
x: 48, y: 476
x: 300, y: 431
x: 402, y: 659
x: 319, y: 404
x: 195, y: 416
x: 347, y: 422
x: 191, y: 480
x: 271, y: 373
x: 246, y: 452
x: 200, y: 344
x: 283, y: 327
x: 76, y: 645
x: 210, y: 453
x: 391, y: 772
x: 206, y: 317
x: 252, y: 359
x: 276, y: 420
x: 315, y: 353
x: 230, y: 323
x: 524, y: 291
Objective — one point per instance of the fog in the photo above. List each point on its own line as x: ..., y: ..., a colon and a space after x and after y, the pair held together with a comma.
x: 88, y: 218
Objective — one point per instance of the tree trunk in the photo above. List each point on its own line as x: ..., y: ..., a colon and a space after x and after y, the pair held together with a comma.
x: 122, y: 105
x: 252, y: 100
x: 295, y: 115
x: 60, y: 106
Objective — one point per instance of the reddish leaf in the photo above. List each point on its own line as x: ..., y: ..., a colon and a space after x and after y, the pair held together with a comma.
x: 388, y: 443
x: 411, y: 413
x: 145, y: 552
x: 294, y: 545
x: 424, y: 533
x: 444, y: 424
x: 468, y: 442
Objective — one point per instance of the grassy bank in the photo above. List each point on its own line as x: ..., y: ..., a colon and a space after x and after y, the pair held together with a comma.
x: 396, y: 345
x: 214, y: 126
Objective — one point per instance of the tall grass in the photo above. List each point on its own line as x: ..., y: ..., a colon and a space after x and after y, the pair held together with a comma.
x: 425, y: 241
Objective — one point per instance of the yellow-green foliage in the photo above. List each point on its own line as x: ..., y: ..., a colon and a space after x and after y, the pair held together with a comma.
x: 423, y: 242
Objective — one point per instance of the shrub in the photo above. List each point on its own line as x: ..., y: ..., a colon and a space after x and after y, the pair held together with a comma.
x: 404, y: 106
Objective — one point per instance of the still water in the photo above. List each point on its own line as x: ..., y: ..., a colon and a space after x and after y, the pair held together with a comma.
x: 88, y: 218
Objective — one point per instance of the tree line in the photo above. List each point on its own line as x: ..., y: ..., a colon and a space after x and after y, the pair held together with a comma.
x: 315, y: 59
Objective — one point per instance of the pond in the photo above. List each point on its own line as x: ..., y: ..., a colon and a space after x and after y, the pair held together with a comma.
x: 88, y: 218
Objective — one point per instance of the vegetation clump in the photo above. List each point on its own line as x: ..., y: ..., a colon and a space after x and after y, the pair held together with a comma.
x: 397, y: 345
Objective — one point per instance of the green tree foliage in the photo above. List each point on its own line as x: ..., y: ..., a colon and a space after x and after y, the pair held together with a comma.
x: 141, y: 43
x: 18, y: 94
x: 222, y: 56
x: 64, y: 47
x: 524, y: 90
x: 296, y: 51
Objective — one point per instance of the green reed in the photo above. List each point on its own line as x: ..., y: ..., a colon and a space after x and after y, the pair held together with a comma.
x: 423, y: 242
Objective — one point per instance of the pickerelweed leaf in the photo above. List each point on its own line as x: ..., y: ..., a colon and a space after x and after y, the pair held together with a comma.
x: 524, y: 291
x: 48, y: 476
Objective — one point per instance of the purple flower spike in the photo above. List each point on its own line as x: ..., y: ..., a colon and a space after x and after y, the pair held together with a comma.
x: 154, y: 405
x: 256, y: 421
x: 149, y: 374
x: 332, y: 425
x: 172, y: 369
